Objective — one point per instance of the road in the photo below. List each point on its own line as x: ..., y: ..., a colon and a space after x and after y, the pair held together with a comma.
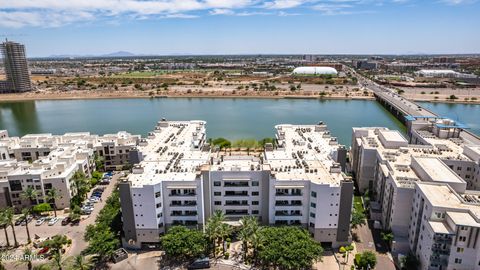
x: 370, y: 239
x: 73, y: 232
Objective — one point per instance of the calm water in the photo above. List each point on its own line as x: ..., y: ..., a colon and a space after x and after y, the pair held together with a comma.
x: 468, y: 114
x: 230, y: 118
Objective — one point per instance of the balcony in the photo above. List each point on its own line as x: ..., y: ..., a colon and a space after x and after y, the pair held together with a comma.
x: 236, y: 193
x: 183, y: 194
x: 287, y: 203
x: 234, y: 203
x: 236, y: 212
x: 288, y: 214
x: 184, y: 204
x: 235, y: 184
x: 184, y: 214
x: 288, y: 194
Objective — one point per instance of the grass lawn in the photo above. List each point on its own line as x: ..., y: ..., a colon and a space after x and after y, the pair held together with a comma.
x: 357, y: 203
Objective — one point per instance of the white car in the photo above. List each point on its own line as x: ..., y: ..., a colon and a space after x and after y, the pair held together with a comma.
x: 52, y: 221
x: 40, y: 221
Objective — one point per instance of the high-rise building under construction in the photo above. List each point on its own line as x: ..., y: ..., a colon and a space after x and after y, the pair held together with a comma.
x: 16, y: 68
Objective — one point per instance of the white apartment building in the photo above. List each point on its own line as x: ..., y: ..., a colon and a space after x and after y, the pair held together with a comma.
x: 390, y: 168
x: 180, y: 181
x: 45, y: 161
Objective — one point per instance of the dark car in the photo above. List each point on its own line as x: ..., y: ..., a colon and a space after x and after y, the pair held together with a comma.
x: 74, y: 222
x: 24, y: 222
x: 202, y: 263
x: 18, y: 221
x: 65, y: 221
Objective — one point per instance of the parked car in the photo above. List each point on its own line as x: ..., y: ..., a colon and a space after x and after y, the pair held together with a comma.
x: 65, y: 221
x: 202, y: 263
x: 24, y: 222
x: 43, y: 251
x: 18, y: 221
x: 40, y: 221
x: 52, y: 221
x: 74, y: 222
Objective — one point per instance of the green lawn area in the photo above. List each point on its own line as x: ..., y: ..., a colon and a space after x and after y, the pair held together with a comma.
x: 357, y: 202
x: 139, y: 74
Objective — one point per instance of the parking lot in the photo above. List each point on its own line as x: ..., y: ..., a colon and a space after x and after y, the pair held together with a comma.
x: 74, y: 232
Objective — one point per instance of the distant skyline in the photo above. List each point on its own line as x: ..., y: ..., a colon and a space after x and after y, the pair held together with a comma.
x: 172, y: 27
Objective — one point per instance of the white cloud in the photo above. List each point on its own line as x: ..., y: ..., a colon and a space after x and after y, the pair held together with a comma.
x: 53, y: 13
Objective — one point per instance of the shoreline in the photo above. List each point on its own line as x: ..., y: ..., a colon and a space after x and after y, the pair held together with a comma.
x: 60, y: 96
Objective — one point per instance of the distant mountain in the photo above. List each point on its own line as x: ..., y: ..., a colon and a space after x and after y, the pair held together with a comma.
x: 118, y: 54
x: 114, y: 54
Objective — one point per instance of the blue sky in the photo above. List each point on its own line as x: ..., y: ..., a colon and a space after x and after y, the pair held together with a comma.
x: 163, y: 27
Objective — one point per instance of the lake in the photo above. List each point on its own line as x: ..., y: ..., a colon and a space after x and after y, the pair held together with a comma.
x: 232, y: 118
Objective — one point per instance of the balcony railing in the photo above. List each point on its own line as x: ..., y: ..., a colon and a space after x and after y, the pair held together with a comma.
x: 240, y: 193
x: 182, y: 194
x: 288, y: 194
x: 235, y: 184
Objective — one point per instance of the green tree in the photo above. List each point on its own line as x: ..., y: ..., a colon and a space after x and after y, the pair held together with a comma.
x: 25, y: 215
x: 388, y: 237
x: 30, y: 194
x: 41, y: 208
x: 52, y: 196
x: 80, y: 262
x: 81, y: 185
x: 409, y: 262
x: 9, y: 219
x: 288, y: 248
x: 103, y: 243
x: 56, y: 243
x: 99, y: 162
x: 26, y: 258
x: 366, y: 260
x: 183, y: 243
x: 346, y: 250
x: 3, y: 254
x: 358, y: 218
x: 4, y: 224
x: 250, y: 229
x: 58, y: 260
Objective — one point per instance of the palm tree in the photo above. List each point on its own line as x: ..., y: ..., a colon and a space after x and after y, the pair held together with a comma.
x: 249, y: 228
x: 26, y: 258
x: 9, y: 218
x: 81, y: 184
x: 81, y: 263
x: 212, y: 228
x: 25, y: 214
x: 57, y: 258
x: 52, y: 195
x: 4, y: 224
x: 29, y: 194
x: 3, y: 255
x: 224, y: 231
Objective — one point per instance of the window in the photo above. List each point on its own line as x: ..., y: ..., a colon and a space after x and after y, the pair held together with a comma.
x: 217, y: 193
x: 254, y: 193
x: 312, y: 215
x: 460, y: 249
x: 313, y: 205
x: 159, y: 205
x: 457, y: 260
x: 254, y: 212
x: 255, y: 184
x: 314, y: 194
x: 217, y: 183
x: 218, y: 203
x: 254, y: 202
x: 462, y: 238
x: 157, y: 194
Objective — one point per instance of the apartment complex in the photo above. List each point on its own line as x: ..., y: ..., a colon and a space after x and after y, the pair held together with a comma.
x: 400, y: 176
x: 46, y: 161
x: 180, y: 180
x: 16, y: 68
